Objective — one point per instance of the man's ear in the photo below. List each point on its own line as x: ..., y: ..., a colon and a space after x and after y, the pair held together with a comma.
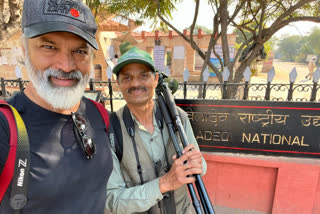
x: 157, y: 76
x: 156, y: 79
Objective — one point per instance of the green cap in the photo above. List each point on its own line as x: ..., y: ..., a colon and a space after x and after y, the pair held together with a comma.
x: 134, y: 55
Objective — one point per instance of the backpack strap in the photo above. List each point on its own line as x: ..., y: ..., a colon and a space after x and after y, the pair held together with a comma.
x: 17, y: 166
x: 104, y: 113
x: 8, y: 169
x: 158, y: 115
x: 128, y: 121
x: 115, y: 135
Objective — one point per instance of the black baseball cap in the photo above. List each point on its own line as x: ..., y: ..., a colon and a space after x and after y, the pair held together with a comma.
x: 46, y: 16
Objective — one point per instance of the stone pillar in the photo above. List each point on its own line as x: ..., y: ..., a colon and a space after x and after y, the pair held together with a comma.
x: 189, y: 58
x: 170, y: 34
x: 199, y: 33
x: 143, y: 34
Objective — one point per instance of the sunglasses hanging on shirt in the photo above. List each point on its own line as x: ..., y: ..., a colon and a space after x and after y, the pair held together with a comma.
x: 86, y: 143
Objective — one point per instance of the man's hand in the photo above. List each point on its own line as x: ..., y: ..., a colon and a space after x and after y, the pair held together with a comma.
x: 188, y: 164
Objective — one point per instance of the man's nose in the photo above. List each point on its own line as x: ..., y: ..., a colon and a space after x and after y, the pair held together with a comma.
x: 135, y: 81
x: 65, y: 62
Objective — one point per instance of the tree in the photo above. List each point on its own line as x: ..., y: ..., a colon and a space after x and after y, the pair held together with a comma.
x: 297, y: 48
x: 314, y: 41
x: 263, y: 18
x: 290, y: 47
x: 143, y: 9
x: 10, y: 18
x: 204, y: 28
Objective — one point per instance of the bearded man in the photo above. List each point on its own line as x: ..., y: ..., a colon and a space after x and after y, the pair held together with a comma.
x: 70, y: 157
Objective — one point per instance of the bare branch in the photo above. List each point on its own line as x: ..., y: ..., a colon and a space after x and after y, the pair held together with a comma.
x: 269, y: 32
x: 194, y: 19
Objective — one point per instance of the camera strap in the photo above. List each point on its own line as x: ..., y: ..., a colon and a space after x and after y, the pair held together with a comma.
x: 19, y: 155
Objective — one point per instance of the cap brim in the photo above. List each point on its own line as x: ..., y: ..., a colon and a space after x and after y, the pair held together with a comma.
x: 120, y: 65
x: 49, y: 27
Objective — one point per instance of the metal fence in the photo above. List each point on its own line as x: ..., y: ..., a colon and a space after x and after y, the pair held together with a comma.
x: 187, y: 90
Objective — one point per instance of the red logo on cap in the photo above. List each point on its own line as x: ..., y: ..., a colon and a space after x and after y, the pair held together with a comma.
x: 74, y: 12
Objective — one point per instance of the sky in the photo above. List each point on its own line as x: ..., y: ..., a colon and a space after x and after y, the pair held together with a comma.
x: 183, y: 17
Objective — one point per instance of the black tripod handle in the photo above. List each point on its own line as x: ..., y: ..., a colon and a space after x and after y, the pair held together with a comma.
x: 168, y: 121
x: 170, y: 113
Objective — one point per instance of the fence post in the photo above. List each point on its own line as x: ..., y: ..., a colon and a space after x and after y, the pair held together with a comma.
x: 185, y: 89
x: 267, y: 96
x: 246, y: 90
x: 314, y: 92
x: 316, y: 77
x: 110, y: 94
x: 224, y: 90
x: 91, y: 84
x: 204, y: 90
x: 271, y: 74
x: 292, y: 77
x: 290, y: 92
x: 20, y: 84
x: 247, y: 76
x: 3, y: 88
x: 225, y: 76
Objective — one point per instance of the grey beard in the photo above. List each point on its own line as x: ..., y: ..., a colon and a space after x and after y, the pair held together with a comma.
x: 58, y: 97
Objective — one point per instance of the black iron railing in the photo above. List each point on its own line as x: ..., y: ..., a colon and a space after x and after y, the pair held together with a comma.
x: 186, y: 90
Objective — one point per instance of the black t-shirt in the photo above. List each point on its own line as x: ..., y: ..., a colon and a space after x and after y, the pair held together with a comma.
x: 61, y: 179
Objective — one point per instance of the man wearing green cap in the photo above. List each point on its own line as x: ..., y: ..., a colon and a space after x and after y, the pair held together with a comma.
x: 147, y: 177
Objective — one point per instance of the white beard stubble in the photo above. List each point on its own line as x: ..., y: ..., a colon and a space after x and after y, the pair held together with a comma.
x: 57, y: 96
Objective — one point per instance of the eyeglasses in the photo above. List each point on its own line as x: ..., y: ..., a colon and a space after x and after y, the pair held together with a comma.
x: 86, y: 143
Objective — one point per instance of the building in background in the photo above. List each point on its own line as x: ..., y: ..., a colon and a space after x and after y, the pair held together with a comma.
x: 169, y: 50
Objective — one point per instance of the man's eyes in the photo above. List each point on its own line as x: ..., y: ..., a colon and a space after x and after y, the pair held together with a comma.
x: 125, y: 78
x: 49, y: 47
x: 81, y: 52
x: 78, y: 51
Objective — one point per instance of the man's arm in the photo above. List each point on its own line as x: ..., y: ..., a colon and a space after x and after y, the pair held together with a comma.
x: 121, y: 199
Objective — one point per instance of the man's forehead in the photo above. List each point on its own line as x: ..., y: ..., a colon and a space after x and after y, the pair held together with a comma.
x: 135, y: 67
x: 57, y: 37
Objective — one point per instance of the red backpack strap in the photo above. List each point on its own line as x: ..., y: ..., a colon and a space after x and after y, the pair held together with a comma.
x: 7, y: 172
x: 104, y: 113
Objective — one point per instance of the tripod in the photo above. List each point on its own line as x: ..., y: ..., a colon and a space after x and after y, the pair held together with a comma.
x: 170, y: 114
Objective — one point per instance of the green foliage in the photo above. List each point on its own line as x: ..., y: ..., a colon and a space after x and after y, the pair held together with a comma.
x: 243, y: 36
x: 296, y: 48
x: 314, y: 40
x: 144, y: 9
x: 140, y: 9
x: 204, y: 29
x: 289, y: 48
